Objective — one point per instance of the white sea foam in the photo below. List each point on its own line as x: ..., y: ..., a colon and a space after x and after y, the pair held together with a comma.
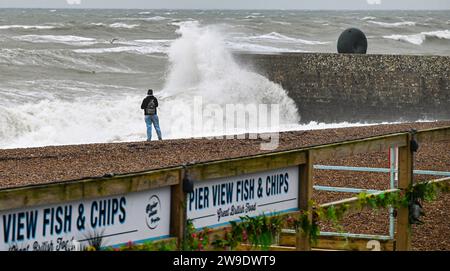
x: 122, y: 25
x: 64, y: 39
x: 396, y: 24
x: 148, y: 19
x: 57, y: 122
x: 418, y: 39
x: 254, y: 15
x: 156, y: 18
x: 368, y: 18
x: 27, y: 27
x: 49, y: 114
x: 117, y: 25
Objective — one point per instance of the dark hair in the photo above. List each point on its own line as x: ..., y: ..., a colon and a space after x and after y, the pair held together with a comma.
x: 150, y: 92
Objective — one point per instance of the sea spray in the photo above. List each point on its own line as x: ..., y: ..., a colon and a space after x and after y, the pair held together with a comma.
x: 202, y: 66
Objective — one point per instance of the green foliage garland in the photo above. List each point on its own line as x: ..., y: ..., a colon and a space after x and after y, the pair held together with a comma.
x: 261, y: 231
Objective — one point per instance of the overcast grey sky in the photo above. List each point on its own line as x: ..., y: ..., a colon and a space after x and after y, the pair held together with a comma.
x: 231, y: 4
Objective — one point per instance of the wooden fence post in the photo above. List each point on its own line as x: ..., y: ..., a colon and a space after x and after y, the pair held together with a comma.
x: 178, y: 210
x: 405, y: 179
x: 305, y: 194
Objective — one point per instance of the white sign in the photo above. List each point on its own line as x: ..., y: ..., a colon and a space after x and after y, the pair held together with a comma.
x: 137, y: 217
x: 217, y: 202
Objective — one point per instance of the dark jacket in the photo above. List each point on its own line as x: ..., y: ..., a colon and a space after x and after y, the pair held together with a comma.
x: 146, y: 101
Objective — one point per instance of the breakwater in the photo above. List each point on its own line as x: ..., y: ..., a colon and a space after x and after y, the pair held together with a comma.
x: 360, y: 88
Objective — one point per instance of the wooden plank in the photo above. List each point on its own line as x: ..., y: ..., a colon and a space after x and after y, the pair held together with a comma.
x: 442, y: 180
x: 338, y: 243
x: 247, y: 165
x: 405, y: 179
x: 178, y: 214
x: 433, y: 135
x: 245, y: 247
x: 354, y: 244
x: 305, y: 195
x: 86, y: 189
x: 355, y: 147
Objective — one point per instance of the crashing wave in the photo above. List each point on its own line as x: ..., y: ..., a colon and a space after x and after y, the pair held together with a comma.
x: 201, y: 65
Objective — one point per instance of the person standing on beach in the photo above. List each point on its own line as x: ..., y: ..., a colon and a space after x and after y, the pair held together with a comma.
x: 149, y: 105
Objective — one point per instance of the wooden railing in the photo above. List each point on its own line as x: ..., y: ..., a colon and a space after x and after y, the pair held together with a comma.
x: 304, y: 158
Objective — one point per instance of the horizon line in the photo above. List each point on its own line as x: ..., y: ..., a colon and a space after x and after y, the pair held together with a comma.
x: 227, y: 9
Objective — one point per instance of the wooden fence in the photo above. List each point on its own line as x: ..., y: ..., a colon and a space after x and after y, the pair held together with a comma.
x: 303, y: 158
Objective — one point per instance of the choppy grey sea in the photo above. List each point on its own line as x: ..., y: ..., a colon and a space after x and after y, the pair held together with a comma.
x: 78, y: 76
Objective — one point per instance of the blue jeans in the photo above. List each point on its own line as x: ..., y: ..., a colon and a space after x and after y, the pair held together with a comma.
x: 149, y: 119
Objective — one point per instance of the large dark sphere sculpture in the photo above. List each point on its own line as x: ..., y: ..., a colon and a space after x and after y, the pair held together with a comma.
x: 352, y: 41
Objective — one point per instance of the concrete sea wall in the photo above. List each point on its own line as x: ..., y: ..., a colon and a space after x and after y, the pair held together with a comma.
x: 360, y: 88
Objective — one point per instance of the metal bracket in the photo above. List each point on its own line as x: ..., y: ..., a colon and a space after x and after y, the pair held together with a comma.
x: 188, y: 184
x: 414, y: 145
